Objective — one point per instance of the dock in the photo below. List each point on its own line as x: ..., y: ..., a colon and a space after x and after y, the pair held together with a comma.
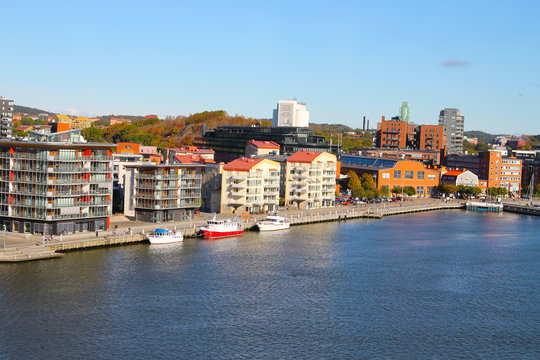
x: 132, y: 233
x: 525, y: 209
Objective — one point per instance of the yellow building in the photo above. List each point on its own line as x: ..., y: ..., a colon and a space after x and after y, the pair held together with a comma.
x: 310, y: 179
x: 81, y: 122
x: 250, y: 185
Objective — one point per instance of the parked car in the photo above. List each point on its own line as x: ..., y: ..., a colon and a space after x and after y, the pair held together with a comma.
x: 197, y: 211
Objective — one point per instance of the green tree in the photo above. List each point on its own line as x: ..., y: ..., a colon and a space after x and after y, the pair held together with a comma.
x: 481, y: 147
x: 93, y: 134
x: 409, y: 190
x: 368, y: 184
x: 355, y: 184
x: 385, y: 191
x: 396, y: 190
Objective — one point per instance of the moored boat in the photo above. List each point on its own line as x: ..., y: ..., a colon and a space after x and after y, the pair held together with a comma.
x: 165, y: 236
x: 222, y: 228
x: 484, y: 206
x: 273, y: 222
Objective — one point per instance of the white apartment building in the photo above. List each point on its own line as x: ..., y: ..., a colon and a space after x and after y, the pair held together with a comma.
x: 510, y: 174
x: 310, y: 179
x: 250, y: 185
x: 290, y: 113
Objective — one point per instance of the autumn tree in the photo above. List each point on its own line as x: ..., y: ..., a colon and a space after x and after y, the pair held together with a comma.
x: 355, y: 184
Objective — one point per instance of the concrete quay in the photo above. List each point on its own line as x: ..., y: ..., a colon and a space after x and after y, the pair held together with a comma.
x: 24, y: 247
x: 522, y: 208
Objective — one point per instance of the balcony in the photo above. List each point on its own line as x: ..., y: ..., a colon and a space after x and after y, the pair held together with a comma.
x: 238, y: 186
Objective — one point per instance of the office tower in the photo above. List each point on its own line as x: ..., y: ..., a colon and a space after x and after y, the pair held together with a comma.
x: 291, y: 113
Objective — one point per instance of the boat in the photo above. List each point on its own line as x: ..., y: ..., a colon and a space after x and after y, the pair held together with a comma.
x: 273, y: 222
x: 484, y: 206
x: 215, y: 228
x: 165, y: 236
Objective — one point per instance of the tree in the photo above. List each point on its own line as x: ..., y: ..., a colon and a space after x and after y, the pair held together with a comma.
x: 354, y: 184
x: 93, y: 134
x: 368, y: 184
x: 481, y: 147
x: 409, y: 190
x: 385, y: 191
x: 396, y: 190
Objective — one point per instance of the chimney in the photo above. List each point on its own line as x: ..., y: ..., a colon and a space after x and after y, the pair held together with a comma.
x: 364, y: 124
x: 368, y: 124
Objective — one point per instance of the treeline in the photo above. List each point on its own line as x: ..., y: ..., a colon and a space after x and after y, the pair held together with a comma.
x: 172, y: 132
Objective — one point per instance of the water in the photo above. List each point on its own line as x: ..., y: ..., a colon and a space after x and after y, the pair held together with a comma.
x: 439, y: 285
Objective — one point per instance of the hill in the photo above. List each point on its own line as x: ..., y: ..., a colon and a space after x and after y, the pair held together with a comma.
x: 330, y: 128
x: 482, y: 136
x: 29, y: 110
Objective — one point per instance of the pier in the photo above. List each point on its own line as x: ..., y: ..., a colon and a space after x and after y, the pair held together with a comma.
x: 525, y: 209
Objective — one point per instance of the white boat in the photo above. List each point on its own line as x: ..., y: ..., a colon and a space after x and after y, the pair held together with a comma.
x: 165, y: 236
x: 273, y: 222
x: 222, y: 228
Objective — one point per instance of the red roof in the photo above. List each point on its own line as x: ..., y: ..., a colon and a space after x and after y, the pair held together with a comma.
x: 190, y: 159
x: 454, y: 172
x: 191, y: 149
x: 264, y: 144
x: 242, y: 164
x: 304, y: 156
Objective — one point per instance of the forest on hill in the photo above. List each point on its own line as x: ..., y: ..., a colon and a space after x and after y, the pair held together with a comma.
x: 172, y: 132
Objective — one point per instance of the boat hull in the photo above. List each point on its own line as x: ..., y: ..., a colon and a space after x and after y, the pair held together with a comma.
x: 272, y: 227
x: 155, y: 240
x: 221, y: 234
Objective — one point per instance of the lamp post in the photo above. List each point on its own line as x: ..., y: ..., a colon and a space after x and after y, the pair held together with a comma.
x: 4, y: 235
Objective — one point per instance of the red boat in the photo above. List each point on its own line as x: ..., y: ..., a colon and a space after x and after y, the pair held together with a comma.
x: 222, y: 228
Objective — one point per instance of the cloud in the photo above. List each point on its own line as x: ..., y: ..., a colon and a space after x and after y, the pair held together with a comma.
x: 455, y: 63
x: 72, y: 111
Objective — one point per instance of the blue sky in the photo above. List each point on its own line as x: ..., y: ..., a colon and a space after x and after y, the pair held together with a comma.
x: 346, y: 59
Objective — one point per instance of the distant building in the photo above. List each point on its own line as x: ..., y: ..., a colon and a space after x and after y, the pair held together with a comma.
x: 6, y: 117
x: 405, y: 112
x: 515, y: 143
x: 431, y: 137
x: 428, y: 157
x: 80, y: 122
x: 115, y: 121
x: 229, y: 142
x: 170, y: 153
x: 290, y: 113
x: 395, y: 134
x: 453, y: 122
x: 259, y: 147
x: 460, y: 177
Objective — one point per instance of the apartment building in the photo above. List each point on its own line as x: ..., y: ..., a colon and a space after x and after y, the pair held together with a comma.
x: 55, y: 183
x: 157, y: 193
x: 6, y: 117
x: 81, y: 122
x: 250, y: 185
x: 310, y: 179
x: 431, y: 137
x: 392, y: 173
x: 493, y: 169
x: 260, y: 147
x: 395, y: 134
x: 453, y: 122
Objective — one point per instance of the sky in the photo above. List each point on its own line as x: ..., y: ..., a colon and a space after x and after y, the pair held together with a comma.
x: 345, y: 59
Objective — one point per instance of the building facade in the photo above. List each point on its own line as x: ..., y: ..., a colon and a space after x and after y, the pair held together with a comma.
x: 50, y: 186
x: 393, y: 173
x: 250, y: 185
x: 453, y: 122
x: 460, y: 177
x: 6, y: 117
x: 290, y: 113
x: 161, y: 193
x: 257, y: 147
x: 431, y: 137
x: 310, y: 180
x: 395, y: 134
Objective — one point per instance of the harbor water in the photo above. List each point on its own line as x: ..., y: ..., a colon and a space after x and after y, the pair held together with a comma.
x: 437, y: 285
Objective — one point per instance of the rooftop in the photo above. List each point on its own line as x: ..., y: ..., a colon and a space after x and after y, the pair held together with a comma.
x: 262, y: 144
x: 242, y: 164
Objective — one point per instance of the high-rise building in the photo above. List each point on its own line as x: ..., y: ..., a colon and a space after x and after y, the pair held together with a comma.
x: 430, y: 137
x: 291, y: 113
x: 6, y: 116
x: 395, y: 134
x: 453, y: 123
x: 405, y: 112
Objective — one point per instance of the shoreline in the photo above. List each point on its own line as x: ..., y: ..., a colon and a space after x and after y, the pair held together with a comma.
x: 21, y: 247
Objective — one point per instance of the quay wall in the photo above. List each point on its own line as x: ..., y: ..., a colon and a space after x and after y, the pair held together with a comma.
x: 522, y: 209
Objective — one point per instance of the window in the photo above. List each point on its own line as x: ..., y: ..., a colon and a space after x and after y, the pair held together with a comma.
x: 397, y: 174
x: 420, y: 190
x: 385, y: 175
x: 420, y: 175
x: 431, y: 176
x: 409, y: 174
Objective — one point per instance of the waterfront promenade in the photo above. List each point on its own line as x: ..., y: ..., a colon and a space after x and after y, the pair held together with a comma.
x: 21, y: 247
